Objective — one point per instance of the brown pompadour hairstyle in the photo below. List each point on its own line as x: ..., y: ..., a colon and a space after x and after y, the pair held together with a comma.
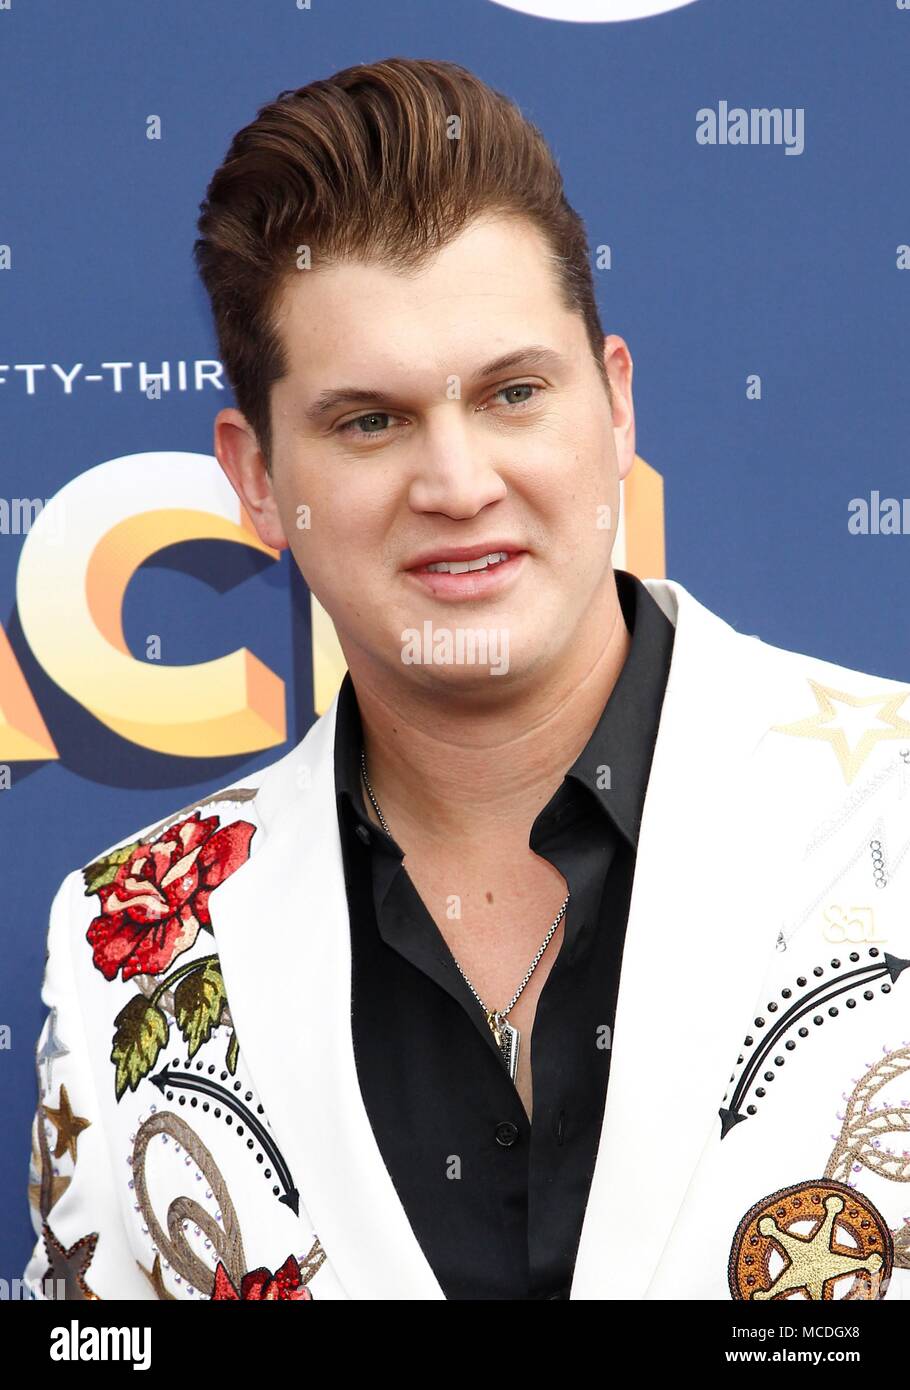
x: 369, y: 164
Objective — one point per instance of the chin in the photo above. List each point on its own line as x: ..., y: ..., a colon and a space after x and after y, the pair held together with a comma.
x: 466, y: 678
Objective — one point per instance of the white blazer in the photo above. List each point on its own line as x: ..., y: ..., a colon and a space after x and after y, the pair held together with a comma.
x: 763, y: 977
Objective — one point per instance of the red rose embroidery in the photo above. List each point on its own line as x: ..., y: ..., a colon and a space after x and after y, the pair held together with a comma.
x: 261, y: 1284
x: 154, y: 906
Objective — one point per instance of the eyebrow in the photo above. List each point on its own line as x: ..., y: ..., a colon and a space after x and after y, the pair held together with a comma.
x: 534, y: 356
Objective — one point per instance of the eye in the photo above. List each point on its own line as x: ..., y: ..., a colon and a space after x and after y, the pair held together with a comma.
x: 508, y: 394
x: 373, y: 424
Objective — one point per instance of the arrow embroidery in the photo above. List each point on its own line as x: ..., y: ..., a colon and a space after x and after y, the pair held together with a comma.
x: 168, y: 1078
x: 842, y: 983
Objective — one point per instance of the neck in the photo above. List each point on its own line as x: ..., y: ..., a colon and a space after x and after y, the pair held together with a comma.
x: 447, y: 770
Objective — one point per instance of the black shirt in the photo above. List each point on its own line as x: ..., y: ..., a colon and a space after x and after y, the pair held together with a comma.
x: 497, y: 1201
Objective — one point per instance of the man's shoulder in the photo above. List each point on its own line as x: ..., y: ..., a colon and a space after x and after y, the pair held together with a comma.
x: 775, y: 662
x: 792, y: 665
x: 253, y: 794
x: 830, y: 732
x: 228, y: 801
x: 778, y: 674
x: 142, y: 900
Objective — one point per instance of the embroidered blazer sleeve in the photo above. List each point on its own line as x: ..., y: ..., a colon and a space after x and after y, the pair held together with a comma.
x: 155, y: 1173
x: 82, y: 1249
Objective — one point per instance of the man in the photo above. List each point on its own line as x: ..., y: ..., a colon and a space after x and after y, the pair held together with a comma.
x: 444, y: 1002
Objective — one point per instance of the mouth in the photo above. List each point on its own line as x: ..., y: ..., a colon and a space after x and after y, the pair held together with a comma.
x: 461, y: 575
x: 484, y: 562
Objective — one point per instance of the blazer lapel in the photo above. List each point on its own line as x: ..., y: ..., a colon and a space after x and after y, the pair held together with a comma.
x: 702, y: 923
x: 284, y: 941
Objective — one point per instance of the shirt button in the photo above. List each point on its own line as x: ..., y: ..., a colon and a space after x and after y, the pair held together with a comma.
x: 506, y: 1134
x: 363, y: 834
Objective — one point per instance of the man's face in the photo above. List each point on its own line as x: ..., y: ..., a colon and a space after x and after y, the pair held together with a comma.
x: 400, y: 443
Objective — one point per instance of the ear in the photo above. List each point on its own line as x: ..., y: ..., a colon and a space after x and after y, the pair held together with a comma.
x: 238, y: 452
x: 618, y: 364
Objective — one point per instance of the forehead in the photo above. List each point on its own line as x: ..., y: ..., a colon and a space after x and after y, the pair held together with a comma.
x: 492, y: 285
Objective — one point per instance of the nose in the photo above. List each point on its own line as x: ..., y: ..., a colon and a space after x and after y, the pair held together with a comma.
x: 454, y: 473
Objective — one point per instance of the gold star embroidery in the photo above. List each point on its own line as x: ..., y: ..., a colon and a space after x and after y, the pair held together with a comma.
x: 827, y: 724
x: 68, y: 1125
x: 812, y: 1261
x: 58, y: 1185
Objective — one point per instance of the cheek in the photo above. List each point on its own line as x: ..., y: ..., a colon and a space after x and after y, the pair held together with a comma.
x: 580, y: 512
x: 569, y: 455
x: 340, y: 533
x: 310, y: 511
x: 571, y: 490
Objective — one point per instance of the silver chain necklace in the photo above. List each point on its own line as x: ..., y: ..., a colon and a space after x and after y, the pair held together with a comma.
x: 507, y: 1037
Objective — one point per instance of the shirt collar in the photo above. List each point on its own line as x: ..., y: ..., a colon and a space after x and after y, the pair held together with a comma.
x: 615, y: 763
x: 348, y: 778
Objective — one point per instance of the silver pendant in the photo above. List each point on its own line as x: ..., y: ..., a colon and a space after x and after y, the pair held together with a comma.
x: 507, y: 1040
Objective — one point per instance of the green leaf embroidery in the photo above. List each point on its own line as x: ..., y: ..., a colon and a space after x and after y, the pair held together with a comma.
x: 198, y: 1002
x: 232, y: 1054
x: 142, y: 1031
x: 104, y: 871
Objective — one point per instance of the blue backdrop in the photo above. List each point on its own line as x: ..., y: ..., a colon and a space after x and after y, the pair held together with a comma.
x: 729, y: 261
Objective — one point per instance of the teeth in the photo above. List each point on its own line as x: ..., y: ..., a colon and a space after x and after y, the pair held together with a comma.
x: 462, y: 566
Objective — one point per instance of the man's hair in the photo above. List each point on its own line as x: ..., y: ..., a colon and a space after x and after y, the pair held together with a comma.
x: 370, y: 164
